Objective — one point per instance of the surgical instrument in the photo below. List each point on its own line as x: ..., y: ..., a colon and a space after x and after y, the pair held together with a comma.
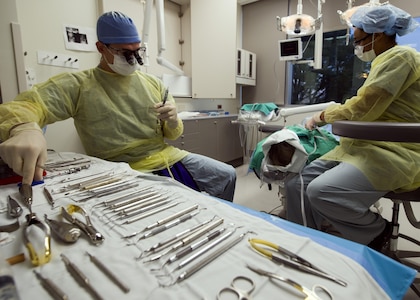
x: 212, y: 256
x: 116, y: 204
x: 14, y: 210
x: 57, y: 166
x: 164, y: 227
x: 165, y: 97
x: 106, y: 191
x: 204, y: 250
x: 310, y: 294
x: 109, y: 273
x: 36, y: 259
x: 55, y: 292
x: 49, y: 197
x: 172, y: 240
x: 149, y: 213
x: 94, y: 235
x: 65, y: 232
x: 10, y: 227
x: 171, y: 217
x: 141, y: 206
x: 241, y: 293
x: 188, y: 239
x: 180, y: 254
x: 80, y: 277
x: 291, y: 260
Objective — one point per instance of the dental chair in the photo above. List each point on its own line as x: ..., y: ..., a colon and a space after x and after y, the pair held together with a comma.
x: 393, y: 132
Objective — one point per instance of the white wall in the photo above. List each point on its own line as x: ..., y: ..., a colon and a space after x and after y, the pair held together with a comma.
x: 8, y: 77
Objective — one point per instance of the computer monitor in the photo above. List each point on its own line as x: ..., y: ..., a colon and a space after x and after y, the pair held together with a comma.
x: 290, y: 49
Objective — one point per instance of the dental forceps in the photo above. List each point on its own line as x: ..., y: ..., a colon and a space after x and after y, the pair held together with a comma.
x: 32, y: 221
x: 310, y: 294
x: 234, y: 288
x: 94, y: 235
x: 291, y: 260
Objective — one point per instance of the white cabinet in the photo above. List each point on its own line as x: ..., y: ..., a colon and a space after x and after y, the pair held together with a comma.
x: 213, y: 48
x: 246, y: 67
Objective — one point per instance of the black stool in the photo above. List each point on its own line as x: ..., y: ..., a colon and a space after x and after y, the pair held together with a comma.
x: 394, y: 132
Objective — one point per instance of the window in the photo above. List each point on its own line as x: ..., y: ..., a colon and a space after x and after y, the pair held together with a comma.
x: 341, y: 75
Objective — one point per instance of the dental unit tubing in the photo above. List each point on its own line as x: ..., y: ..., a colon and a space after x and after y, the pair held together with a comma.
x: 284, y: 112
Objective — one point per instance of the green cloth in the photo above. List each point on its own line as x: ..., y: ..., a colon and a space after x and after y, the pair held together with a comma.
x: 315, y: 142
x: 265, y: 108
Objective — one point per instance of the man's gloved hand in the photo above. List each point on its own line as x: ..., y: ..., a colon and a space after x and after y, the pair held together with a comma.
x: 167, y: 113
x: 24, y: 150
x: 316, y: 120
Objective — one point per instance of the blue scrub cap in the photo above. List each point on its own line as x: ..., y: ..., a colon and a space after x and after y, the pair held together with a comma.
x: 384, y: 18
x: 116, y: 28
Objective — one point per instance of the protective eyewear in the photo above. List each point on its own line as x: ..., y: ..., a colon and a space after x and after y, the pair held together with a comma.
x: 355, y: 43
x: 130, y: 55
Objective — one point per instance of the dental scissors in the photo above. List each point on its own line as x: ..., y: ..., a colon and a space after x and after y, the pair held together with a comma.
x: 310, y: 294
x: 291, y: 259
x: 237, y: 289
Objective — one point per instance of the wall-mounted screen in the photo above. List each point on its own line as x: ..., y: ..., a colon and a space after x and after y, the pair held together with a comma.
x: 290, y: 49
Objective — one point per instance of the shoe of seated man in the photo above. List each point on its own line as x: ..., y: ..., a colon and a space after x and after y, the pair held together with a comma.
x: 380, y: 242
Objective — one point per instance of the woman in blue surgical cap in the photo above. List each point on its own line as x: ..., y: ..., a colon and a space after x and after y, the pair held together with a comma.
x: 118, y: 113
x: 341, y: 186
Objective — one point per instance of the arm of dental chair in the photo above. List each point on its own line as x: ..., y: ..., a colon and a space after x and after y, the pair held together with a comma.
x: 378, y: 131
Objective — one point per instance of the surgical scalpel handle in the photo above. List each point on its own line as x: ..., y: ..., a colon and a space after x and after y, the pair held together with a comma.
x: 55, y: 292
x: 109, y: 273
x: 80, y: 277
x: 202, y: 263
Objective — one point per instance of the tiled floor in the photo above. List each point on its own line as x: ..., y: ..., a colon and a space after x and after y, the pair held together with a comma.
x: 250, y: 194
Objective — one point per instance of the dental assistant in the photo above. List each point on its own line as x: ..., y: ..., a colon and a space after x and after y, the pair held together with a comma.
x: 341, y: 186
x: 118, y: 113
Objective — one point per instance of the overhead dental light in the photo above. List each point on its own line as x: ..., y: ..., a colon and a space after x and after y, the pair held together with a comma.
x: 302, y: 24
x: 298, y: 24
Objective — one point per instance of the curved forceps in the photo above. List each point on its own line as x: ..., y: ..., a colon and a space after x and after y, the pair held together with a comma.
x: 291, y: 260
x: 242, y: 294
x: 94, y: 235
x: 310, y: 294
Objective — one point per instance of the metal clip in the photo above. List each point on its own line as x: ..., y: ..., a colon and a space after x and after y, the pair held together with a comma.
x: 95, y: 236
x: 36, y: 259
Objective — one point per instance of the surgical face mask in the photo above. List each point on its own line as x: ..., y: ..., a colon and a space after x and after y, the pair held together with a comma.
x: 121, y: 66
x: 365, y: 56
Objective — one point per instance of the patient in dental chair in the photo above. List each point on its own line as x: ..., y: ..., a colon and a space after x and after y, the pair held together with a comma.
x: 288, y: 150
